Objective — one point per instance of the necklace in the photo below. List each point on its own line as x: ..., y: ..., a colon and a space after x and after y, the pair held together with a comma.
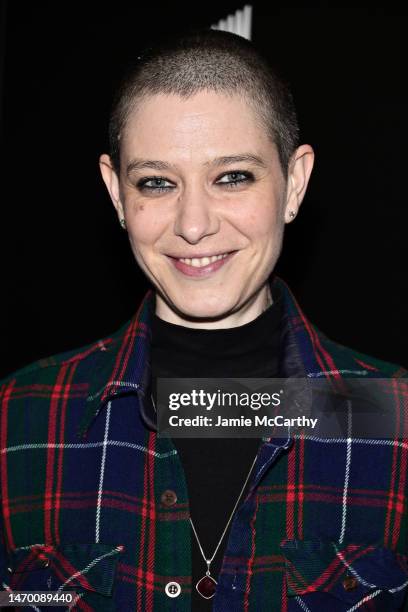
x: 207, y: 584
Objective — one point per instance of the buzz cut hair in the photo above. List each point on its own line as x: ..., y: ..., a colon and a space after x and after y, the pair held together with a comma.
x: 212, y: 60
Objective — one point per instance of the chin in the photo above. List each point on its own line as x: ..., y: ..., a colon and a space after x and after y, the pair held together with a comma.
x: 202, y: 311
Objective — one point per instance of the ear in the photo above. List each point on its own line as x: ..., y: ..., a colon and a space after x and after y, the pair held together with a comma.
x: 111, y: 181
x: 299, y: 171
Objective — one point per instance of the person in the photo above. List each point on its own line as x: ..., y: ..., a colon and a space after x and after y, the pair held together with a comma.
x: 205, y: 171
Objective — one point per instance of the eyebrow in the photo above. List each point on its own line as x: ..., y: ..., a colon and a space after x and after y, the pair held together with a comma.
x: 234, y: 159
x: 225, y: 160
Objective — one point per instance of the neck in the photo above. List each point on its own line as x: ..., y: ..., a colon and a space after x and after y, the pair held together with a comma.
x: 245, y: 314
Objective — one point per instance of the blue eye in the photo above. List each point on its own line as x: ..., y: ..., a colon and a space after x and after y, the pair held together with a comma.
x: 157, y: 184
x: 235, y: 178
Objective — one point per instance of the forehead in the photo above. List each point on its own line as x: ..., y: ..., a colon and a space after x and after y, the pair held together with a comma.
x: 201, y: 126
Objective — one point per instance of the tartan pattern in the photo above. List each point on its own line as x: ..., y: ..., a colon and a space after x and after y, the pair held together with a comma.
x: 81, y: 479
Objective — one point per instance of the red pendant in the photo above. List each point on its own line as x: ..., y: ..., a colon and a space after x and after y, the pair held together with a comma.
x: 206, y: 586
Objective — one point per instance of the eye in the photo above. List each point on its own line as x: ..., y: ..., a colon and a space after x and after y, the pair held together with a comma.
x: 234, y: 179
x: 154, y: 184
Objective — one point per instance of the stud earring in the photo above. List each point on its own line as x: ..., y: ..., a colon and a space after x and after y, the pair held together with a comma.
x: 122, y: 223
x: 292, y: 214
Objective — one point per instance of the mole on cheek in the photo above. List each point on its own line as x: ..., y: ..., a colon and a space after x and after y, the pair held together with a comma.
x: 141, y: 207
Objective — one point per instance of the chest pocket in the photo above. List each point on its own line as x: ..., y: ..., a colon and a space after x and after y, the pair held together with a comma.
x: 87, y: 569
x: 323, y: 575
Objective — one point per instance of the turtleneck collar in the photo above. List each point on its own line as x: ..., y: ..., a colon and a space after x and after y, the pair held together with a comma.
x: 249, y: 350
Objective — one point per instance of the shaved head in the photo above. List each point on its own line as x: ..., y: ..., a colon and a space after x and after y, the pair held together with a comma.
x: 210, y: 60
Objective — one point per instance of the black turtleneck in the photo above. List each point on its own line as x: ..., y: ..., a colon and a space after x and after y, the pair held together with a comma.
x: 216, y: 468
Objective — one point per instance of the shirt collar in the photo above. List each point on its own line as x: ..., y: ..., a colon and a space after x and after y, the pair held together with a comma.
x: 123, y: 362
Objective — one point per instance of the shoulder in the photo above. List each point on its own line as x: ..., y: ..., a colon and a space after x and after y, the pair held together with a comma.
x: 47, y: 369
x: 351, y: 362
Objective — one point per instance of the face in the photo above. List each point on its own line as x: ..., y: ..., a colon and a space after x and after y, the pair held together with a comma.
x: 205, y: 203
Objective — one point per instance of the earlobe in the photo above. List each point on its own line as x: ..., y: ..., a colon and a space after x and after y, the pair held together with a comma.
x: 300, y: 169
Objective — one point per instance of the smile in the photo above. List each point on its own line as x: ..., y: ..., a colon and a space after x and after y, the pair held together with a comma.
x: 202, y: 261
x: 201, y: 266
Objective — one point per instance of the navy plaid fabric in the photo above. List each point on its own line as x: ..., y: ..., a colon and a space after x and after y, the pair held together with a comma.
x: 85, y: 488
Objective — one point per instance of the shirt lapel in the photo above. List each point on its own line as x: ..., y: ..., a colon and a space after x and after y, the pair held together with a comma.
x: 123, y: 362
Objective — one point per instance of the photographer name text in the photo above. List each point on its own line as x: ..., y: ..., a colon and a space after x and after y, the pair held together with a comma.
x: 257, y: 421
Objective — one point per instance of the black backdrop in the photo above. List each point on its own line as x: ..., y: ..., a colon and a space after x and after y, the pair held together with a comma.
x: 68, y: 275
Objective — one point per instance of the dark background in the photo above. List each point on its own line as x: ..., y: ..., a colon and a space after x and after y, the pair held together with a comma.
x: 67, y: 271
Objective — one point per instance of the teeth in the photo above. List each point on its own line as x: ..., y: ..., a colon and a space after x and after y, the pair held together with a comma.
x: 202, y: 261
x: 197, y: 263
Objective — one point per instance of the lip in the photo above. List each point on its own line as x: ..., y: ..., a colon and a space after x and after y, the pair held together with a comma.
x: 197, y: 255
x: 207, y: 270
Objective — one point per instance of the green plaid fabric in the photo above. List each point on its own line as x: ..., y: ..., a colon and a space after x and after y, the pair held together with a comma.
x: 83, y: 484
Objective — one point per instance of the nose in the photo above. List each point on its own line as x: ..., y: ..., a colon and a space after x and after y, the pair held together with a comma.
x: 196, y: 216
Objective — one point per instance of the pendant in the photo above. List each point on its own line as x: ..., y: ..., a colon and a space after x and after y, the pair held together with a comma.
x: 206, y: 586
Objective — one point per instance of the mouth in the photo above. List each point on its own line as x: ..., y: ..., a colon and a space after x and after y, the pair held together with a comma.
x: 201, y: 266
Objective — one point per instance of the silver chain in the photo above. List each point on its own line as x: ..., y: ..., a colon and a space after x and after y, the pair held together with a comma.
x: 209, y: 561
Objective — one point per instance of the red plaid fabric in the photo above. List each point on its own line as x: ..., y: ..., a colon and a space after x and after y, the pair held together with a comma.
x: 323, y: 526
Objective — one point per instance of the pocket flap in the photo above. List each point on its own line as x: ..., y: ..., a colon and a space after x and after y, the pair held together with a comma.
x: 347, y: 571
x: 75, y: 566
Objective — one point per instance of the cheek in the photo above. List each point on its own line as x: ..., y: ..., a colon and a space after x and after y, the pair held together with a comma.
x: 262, y: 214
x: 134, y: 207
x: 145, y: 226
x: 140, y: 241
x: 264, y: 224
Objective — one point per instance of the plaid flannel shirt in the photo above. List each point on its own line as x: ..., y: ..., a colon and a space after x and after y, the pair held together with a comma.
x: 323, y: 526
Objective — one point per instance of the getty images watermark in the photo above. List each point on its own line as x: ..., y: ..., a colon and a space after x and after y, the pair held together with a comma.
x: 220, y: 399
x: 230, y: 407
x: 274, y: 407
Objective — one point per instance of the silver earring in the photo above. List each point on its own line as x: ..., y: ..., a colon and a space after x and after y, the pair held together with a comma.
x: 292, y: 214
x: 122, y: 223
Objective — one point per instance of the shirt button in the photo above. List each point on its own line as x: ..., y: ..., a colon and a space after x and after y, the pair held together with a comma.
x: 350, y: 583
x: 172, y: 589
x: 168, y: 497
